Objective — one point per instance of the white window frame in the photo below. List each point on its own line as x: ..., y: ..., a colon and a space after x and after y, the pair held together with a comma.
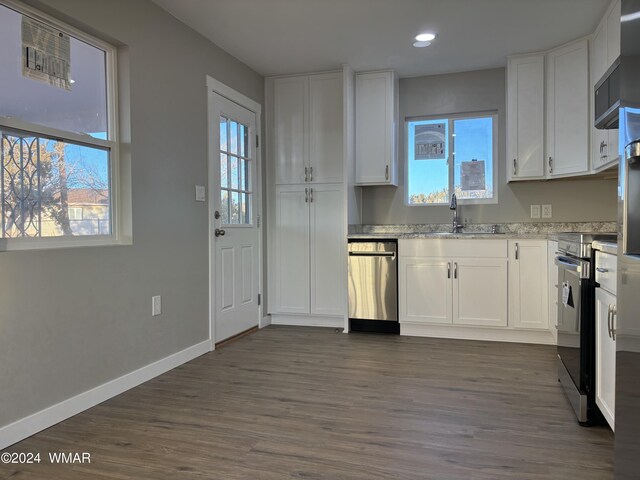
x: 111, y: 144
x: 450, y: 118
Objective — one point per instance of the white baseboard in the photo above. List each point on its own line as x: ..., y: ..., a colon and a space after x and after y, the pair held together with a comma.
x: 308, y: 321
x: 25, y: 427
x: 266, y: 321
x: 543, y: 337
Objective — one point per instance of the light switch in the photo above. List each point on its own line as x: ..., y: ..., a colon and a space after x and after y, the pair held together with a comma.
x: 201, y: 193
x: 156, y: 305
x: 535, y: 211
x: 547, y: 211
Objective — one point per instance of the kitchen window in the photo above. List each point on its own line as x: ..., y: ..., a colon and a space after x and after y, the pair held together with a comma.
x: 58, y: 133
x: 448, y: 154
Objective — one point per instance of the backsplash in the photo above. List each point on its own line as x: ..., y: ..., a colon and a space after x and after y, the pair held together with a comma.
x: 516, y: 228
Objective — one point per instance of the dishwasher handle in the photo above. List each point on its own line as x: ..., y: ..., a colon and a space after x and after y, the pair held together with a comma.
x: 372, y: 254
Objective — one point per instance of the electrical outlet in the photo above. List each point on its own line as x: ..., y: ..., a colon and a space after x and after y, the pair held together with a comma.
x: 156, y: 305
x: 535, y: 211
x: 201, y: 193
x: 547, y: 211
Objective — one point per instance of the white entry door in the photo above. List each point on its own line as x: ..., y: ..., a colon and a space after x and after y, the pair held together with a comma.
x: 235, y: 242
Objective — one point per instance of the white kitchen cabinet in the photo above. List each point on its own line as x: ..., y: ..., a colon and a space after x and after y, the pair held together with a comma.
x: 309, y: 249
x: 613, y: 32
x: 453, y: 282
x: 291, y: 267
x: 525, y: 117
x: 567, y: 117
x: 480, y: 292
x: 308, y: 129
x: 327, y: 250
x: 528, y: 284
x: 376, y: 128
x: 606, y: 354
x: 425, y: 289
x: 552, y: 248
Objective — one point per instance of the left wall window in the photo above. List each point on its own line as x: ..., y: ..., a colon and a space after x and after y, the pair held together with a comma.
x: 58, y: 132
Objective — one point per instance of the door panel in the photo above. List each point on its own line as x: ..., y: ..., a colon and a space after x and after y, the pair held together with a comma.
x: 528, y: 284
x: 290, y: 129
x: 605, y: 357
x: 325, y: 128
x: 328, y: 274
x: 480, y: 292
x: 291, y: 269
x: 425, y: 289
x: 235, y: 269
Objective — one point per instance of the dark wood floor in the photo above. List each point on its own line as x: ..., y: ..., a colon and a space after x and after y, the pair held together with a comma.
x: 309, y: 403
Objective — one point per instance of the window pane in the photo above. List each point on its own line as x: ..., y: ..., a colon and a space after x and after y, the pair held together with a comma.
x: 224, y: 165
x: 52, y: 188
x: 235, y: 208
x: 233, y: 137
x: 244, y: 168
x: 473, y: 157
x: 243, y: 141
x: 223, y: 134
x: 82, y: 109
x: 246, y: 209
x: 234, y: 173
x: 224, y: 207
x: 428, y: 162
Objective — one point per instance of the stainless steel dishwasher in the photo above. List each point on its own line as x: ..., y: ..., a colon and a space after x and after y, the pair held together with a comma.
x: 373, y: 286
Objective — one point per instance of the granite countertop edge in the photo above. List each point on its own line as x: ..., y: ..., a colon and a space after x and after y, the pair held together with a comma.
x: 447, y: 236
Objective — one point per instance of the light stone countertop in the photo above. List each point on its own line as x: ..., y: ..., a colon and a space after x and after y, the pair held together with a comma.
x: 448, y: 236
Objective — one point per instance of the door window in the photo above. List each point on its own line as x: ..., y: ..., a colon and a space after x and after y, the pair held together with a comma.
x: 235, y: 173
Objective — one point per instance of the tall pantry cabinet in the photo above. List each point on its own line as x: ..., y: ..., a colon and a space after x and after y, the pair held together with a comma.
x: 306, y: 196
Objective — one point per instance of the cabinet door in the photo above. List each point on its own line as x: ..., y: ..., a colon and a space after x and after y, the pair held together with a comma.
x: 291, y: 143
x: 375, y: 128
x: 328, y: 250
x: 613, y: 33
x: 528, y: 284
x: 599, y: 138
x: 552, y: 248
x: 425, y: 290
x: 605, y: 357
x: 325, y: 128
x: 480, y: 291
x: 525, y: 117
x: 568, y: 99
x: 291, y: 250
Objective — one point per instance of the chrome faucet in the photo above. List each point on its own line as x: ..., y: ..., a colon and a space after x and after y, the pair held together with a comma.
x: 453, y: 205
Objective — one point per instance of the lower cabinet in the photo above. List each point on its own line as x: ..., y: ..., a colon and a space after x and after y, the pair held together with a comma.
x: 308, y: 255
x: 453, y: 290
x: 528, y: 284
x: 606, y: 354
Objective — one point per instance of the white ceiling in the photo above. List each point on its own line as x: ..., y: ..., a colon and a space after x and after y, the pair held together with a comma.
x: 293, y: 36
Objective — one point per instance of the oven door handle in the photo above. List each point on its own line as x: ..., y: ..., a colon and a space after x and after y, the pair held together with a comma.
x: 568, y: 265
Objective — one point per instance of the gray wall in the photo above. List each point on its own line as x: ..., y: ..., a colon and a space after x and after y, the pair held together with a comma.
x: 73, y: 319
x: 572, y: 200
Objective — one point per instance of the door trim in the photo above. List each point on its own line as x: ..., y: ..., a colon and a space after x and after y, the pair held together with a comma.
x: 216, y: 87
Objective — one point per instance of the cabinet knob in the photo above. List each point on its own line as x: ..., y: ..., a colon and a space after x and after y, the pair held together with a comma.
x: 386, y: 173
x: 515, y: 166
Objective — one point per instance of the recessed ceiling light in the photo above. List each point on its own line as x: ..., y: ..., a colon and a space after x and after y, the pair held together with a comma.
x: 425, y: 37
x: 421, y: 44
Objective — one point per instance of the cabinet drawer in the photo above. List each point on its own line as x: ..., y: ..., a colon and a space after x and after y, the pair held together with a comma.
x: 457, y: 248
x: 607, y: 271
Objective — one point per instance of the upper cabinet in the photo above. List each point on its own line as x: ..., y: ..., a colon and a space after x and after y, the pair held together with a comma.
x: 568, y: 120
x: 308, y: 117
x: 376, y: 128
x: 525, y: 103
x: 612, y: 19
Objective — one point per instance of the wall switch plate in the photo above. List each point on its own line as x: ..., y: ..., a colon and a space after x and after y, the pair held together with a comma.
x: 547, y: 211
x: 156, y: 305
x: 535, y: 211
x: 201, y: 193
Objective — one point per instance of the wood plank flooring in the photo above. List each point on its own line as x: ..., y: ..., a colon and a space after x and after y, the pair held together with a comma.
x: 309, y: 403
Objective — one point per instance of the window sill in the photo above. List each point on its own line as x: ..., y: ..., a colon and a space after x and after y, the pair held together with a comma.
x: 55, y: 243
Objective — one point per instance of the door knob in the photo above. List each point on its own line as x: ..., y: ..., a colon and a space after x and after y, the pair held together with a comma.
x: 218, y: 232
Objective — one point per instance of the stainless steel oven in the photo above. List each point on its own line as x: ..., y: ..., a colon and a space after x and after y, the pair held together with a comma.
x: 576, y: 322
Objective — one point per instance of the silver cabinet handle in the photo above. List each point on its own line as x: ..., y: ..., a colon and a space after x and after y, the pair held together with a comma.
x: 455, y: 270
x: 306, y: 174
x: 614, y: 314
x: 218, y: 232
x: 448, y: 269
x: 306, y: 195
x: 311, y: 174
x: 311, y: 195
x: 517, y: 251
x: 515, y: 167
x: 550, y: 165
x: 609, y: 321
x: 386, y: 173
x: 601, y: 270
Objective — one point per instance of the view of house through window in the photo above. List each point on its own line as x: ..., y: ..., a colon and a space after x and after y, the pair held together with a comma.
x: 235, y: 173
x: 56, y: 141
x: 446, y: 155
